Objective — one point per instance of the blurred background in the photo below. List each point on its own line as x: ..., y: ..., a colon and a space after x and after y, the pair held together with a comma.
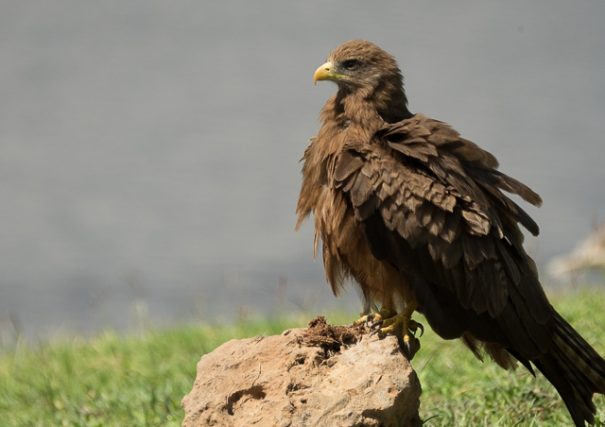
x: 149, y: 149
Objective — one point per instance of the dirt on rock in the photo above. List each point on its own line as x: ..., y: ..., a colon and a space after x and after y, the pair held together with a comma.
x: 320, y: 376
x: 329, y: 337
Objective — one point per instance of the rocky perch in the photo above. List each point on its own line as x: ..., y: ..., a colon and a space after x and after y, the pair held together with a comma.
x: 320, y: 376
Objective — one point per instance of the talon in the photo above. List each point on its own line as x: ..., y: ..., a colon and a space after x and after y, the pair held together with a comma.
x: 409, y: 346
x: 391, y: 321
x: 375, y: 325
x: 404, y: 329
x: 374, y: 317
x: 375, y: 320
x: 363, y: 320
x: 414, y: 326
x: 395, y: 328
x: 387, y: 321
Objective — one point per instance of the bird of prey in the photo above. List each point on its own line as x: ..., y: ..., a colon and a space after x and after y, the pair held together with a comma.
x: 417, y: 215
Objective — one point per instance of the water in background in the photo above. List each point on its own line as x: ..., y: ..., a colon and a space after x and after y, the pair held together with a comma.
x: 149, y: 150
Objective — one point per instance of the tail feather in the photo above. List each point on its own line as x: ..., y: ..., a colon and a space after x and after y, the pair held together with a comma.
x: 587, y: 359
x: 575, y: 369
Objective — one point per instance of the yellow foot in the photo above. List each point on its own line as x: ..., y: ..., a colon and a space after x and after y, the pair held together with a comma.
x: 371, y: 319
x: 403, y: 328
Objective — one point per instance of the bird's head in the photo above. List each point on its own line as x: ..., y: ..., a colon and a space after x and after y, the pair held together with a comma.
x: 359, y: 64
x: 368, y: 80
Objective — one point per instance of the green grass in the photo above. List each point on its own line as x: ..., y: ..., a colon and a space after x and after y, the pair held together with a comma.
x: 459, y: 390
x: 140, y: 380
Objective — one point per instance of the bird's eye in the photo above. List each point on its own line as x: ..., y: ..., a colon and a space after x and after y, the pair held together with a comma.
x: 351, y: 64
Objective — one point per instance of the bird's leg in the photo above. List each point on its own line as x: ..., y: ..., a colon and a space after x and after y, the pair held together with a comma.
x: 387, y: 321
x: 372, y: 317
x: 404, y: 328
x: 368, y: 308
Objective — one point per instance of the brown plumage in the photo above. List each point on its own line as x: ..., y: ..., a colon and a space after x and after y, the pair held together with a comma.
x: 416, y: 214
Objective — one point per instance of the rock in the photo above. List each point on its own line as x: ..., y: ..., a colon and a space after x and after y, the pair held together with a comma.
x: 321, y: 376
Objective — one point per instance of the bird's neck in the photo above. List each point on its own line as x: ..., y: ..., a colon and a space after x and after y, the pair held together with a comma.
x: 371, y: 108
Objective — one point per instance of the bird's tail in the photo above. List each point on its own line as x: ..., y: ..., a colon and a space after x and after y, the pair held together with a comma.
x: 576, y: 371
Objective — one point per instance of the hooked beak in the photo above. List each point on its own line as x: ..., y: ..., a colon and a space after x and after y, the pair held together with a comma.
x: 324, y: 72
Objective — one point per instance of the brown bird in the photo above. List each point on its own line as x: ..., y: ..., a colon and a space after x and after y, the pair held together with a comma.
x: 417, y: 216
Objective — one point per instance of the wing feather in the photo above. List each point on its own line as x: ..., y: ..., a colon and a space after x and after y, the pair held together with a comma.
x: 440, y: 197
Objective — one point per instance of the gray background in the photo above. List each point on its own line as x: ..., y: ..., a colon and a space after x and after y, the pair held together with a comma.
x: 149, y: 149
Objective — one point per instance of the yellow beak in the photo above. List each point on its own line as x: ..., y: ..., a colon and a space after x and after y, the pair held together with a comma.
x: 324, y: 72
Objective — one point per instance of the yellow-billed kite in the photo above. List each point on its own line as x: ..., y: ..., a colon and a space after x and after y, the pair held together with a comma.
x: 417, y: 216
